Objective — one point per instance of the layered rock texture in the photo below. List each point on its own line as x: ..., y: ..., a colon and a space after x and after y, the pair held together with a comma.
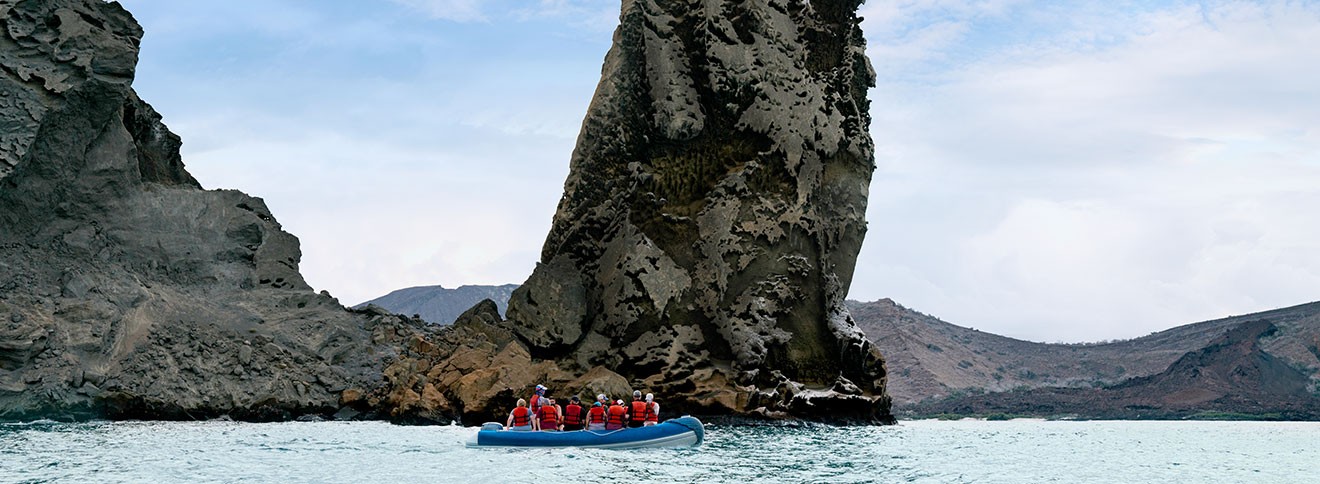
x: 126, y: 290
x: 709, y: 225
x: 1262, y: 365
x: 440, y: 305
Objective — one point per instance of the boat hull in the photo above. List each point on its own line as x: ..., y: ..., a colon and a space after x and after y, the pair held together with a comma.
x: 678, y: 432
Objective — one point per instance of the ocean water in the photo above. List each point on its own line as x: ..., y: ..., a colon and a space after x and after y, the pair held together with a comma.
x: 1018, y: 451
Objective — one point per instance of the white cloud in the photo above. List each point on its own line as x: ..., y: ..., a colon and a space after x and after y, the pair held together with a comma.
x: 456, y: 10
x: 596, y: 14
x: 376, y: 215
x: 1106, y: 180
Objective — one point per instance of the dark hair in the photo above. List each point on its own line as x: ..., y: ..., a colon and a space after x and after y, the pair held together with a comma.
x: 574, y: 399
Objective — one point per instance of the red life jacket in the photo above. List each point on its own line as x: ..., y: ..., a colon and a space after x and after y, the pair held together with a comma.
x: 572, y: 414
x: 522, y: 416
x: 639, y: 409
x: 616, y: 417
x: 549, y: 418
x: 596, y: 415
x: 534, y: 402
x: 651, y: 414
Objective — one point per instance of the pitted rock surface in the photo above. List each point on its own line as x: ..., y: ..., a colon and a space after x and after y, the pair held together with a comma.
x: 127, y: 291
x: 711, y: 218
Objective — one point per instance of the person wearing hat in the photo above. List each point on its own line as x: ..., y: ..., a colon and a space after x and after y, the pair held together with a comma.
x: 574, y: 415
x: 652, y: 410
x: 535, y: 401
x: 616, y: 417
x: 637, y: 410
x: 596, y: 417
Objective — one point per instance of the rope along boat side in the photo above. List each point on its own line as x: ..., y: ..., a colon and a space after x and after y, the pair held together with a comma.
x: 679, y: 432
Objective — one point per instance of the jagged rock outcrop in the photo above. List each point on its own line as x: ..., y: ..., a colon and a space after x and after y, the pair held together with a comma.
x: 710, y: 221
x: 125, y: 289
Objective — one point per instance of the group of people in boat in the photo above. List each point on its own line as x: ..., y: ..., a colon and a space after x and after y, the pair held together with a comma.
x: 541, y: 413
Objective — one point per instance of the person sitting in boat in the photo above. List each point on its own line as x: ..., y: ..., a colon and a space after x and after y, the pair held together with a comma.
x: 652, y: 410
x: 548, y: 416
x: 637, y: 410
x: 617, y: 415
x: 537, y: 394
x: 520, y: 418
x: 596, y: 417
x: 574, y: 415
x: 559, y: 410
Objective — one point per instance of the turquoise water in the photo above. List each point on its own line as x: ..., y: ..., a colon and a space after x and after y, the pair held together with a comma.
x: 917, y: 451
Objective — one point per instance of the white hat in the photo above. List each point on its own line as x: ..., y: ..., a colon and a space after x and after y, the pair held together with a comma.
x: 650, y: 397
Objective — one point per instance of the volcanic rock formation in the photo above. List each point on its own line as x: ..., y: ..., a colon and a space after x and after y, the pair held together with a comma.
x: 125, y: 289
x: 709, y: 225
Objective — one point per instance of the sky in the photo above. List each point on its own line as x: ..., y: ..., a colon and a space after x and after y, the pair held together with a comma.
x: 1051, y: 171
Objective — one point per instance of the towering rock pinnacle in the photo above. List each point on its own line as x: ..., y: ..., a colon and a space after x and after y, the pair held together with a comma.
x: 714, y: 209
x: 706, y: 237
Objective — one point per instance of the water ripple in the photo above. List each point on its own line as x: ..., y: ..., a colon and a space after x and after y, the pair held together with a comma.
x: 922, y: 451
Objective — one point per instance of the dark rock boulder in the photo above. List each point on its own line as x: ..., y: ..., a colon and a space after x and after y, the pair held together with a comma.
x: 125, y: 289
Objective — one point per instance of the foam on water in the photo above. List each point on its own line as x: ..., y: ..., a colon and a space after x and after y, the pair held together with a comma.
x: 921, y: 451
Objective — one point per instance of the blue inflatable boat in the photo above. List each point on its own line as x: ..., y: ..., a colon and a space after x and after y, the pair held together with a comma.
x: 678, y: 432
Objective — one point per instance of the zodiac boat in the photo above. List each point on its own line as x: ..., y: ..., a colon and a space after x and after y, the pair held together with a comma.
x: 684, y: 431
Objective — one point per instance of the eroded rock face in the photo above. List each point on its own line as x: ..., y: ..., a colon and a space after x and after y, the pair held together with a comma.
x: 715, y: 207
x: 713, y: 213
x: 125, y: 289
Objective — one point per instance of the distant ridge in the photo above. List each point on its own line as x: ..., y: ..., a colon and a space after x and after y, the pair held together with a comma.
x: 438, y: 305
x: 963, y: 369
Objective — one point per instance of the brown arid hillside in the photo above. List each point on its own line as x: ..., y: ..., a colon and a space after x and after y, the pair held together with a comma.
x: 934, y: 361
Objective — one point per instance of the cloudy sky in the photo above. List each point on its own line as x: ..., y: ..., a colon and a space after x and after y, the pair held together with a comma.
x: 1053, y: 171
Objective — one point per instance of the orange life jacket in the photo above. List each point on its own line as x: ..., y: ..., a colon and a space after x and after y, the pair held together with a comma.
x: 639, y: 409
x: 522, y: 416
x: 572, y: 414
x: 651, y: 414
x: 596, y: 415
x: 549, y: 417
x: 616, y: 416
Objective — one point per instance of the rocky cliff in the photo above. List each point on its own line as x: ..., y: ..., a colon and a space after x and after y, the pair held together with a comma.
x: 125, y: 289
x: 708, y: 229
